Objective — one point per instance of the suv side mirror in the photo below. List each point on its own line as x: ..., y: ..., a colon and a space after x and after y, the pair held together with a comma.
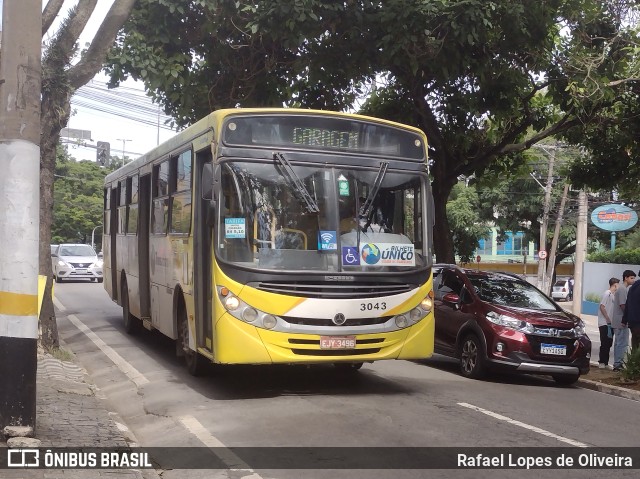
x: 451, y: 298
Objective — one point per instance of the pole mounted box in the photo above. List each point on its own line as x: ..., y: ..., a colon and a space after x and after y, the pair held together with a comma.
x: 103, y: 152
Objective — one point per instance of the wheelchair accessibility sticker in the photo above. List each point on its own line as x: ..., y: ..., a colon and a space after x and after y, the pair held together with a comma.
x: 350, y: 256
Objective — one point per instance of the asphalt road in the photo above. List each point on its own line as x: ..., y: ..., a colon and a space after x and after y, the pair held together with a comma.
x: 389, y: 403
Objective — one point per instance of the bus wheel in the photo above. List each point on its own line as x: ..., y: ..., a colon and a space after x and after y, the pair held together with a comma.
x: 194, y: 360
x: 131, y: 323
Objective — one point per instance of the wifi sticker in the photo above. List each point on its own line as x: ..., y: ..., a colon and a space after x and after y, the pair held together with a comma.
x: 327, y: 241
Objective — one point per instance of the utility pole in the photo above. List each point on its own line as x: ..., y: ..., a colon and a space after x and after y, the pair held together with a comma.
x: 581, y: 251
x: 123, y: 140
x: 542, y: 262
x: 20, y: 86
x: 556, y: 236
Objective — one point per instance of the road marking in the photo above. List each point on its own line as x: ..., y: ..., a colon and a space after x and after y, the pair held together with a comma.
x: 59, y: 305
x: 232, y: 461
x: 523, y: 425
x: 132, y: 373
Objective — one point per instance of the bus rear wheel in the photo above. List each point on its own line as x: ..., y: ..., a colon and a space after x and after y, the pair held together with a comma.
x: 195, y: 361
x: 131, y: 323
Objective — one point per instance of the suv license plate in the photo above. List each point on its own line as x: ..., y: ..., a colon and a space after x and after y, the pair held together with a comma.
x: 554, y: 349
x: 337, y: 342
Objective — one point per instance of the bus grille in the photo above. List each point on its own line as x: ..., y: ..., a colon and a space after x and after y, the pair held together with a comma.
x: 329, y: 322
x: 335, y: 352
x: 334, y: 290
x: 317, y: 343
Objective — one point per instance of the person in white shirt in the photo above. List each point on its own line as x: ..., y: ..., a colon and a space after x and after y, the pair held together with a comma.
x: 605, y: 312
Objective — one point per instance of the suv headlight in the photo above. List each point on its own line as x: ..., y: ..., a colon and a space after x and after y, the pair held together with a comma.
x: 580, y: 329
x: 509, y: 322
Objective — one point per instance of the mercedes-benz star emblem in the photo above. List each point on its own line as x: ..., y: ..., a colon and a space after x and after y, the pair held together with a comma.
x: 339, y: 319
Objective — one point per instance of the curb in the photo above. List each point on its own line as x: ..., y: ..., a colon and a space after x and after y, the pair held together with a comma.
x: 609, y: 389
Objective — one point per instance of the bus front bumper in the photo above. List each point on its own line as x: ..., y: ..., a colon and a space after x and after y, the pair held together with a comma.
x: 238, y: 342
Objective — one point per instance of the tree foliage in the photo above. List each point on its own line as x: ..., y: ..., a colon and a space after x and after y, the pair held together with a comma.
x: 466, y: 226
x: 484, y: 79
x: 78, y: 201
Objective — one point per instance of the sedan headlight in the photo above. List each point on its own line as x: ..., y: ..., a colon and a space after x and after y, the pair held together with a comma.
x: 62, y: 263
x: 509, y: 322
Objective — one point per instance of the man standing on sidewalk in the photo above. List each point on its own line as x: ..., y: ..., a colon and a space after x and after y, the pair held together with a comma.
x: 632, y: 313
x: 605, y: 311
x: 621, y: 332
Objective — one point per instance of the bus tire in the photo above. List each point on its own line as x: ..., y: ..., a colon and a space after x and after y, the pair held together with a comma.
x: 131, y: 323
x: 196, y: 363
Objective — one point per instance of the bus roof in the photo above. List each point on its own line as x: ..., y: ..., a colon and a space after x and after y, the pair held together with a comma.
x: 215, y: 119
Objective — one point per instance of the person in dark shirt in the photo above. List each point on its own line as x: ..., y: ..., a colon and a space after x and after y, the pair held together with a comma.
x: 631, y: 315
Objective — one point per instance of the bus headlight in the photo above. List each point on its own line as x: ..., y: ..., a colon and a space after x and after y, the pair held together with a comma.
x: 416, y: 314
x: 245, y: 312
x: 269, y: 321
x: 249, y: 314
x: 427, y: 303
x: 231, y: 303
x: 401, y: 321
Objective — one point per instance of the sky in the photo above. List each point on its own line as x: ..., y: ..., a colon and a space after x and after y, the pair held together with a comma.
x: 124, y: 113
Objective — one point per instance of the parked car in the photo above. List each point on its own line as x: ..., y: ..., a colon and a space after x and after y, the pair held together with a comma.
x: 76, y: 261
x: 497, y: 321
x: 560, y: 290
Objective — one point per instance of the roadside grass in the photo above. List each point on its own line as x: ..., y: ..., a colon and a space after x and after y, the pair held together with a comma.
x: 61, y: 354
x: 606, y: 376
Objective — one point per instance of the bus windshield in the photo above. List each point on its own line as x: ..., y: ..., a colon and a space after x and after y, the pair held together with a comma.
x: 282, y: 216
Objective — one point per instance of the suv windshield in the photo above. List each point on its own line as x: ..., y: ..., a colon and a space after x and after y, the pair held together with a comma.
x: 77, y: 250
x: 307, y: 217
x: 510, y: 292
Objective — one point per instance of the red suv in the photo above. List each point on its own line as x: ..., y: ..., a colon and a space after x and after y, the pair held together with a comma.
x: 498, y: 321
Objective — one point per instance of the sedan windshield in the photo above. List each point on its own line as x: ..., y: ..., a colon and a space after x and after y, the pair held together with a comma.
x: 510, y: 292
x: 283, y: 216
x: 77, y: 250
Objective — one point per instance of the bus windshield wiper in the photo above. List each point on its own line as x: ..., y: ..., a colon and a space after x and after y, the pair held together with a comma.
x: 294, y: 180
x: 365, y: 209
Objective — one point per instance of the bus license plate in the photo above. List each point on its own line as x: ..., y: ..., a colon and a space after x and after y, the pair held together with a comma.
x: 554, y: 349
x: 337, y: 342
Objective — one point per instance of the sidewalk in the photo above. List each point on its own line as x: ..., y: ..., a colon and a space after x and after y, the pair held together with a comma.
x: 70, y: 414
x: 591, y: 323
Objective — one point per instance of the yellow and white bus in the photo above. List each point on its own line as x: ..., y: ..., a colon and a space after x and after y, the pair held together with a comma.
x: 263, y: 236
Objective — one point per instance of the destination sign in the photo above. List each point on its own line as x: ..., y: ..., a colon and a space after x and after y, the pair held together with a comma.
x: 319, y: 132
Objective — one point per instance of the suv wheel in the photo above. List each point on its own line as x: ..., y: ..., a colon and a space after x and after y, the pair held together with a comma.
x: 472, y: 361
x: 566, y: 379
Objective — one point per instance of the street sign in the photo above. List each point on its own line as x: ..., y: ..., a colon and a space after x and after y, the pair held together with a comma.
x: 614, y: 217
x: 478, y: 259
x: 542, y: 254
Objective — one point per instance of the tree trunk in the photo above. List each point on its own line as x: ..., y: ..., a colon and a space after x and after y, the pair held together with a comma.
x: 56, y: 109
x: 442, y: 239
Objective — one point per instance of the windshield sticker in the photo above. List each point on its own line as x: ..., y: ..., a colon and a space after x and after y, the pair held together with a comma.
x: 350, y: 256
x: 343, y: 186
x: 327, y: 241
x: 388, y: 254
x: 234, y: 228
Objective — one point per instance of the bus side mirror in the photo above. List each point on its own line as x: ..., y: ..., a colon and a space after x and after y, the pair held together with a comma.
x: 207, y: 182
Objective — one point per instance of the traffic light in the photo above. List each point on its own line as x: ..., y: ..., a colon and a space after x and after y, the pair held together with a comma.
x: 103, y: 152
